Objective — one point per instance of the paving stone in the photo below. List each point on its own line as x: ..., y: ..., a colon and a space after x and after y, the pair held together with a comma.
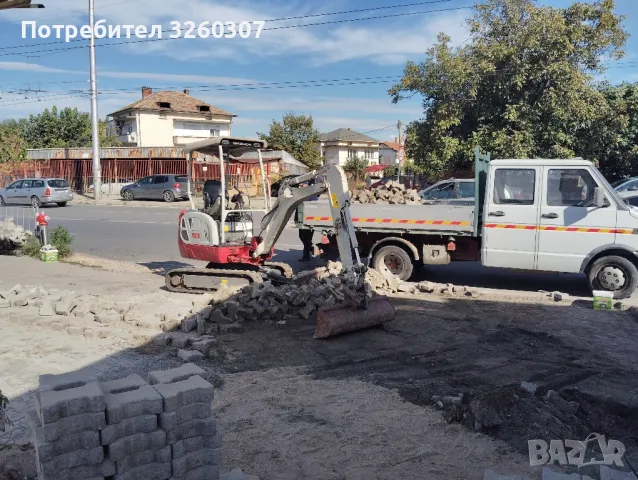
x: 190, y: 355
x: 64, y: 306
x: 128, y: 427
x: 163, y: 455
x: 207, y: 472
x: 151, y: 471
x: 181, y: 341
x: 132, y: 444
x: 608, y: 473
x: 193, y: 428
x: 178, y: 374
x: 194, y: 411
x: 182, y: 447
x: 201, y: 324
x: 204, y: 345
x: 163, y: 340
x: 178, y: 394
x: 49, y: 449
x: 132, y: 382
x: 84, y: 472
x: 77, y: 458
x: 189, y: 324
x: 46, y: 310
x: 144, y: 400
x: 196, y: 459
x: 74, y: 400
x: 67, y: 425
x: 5, y: 303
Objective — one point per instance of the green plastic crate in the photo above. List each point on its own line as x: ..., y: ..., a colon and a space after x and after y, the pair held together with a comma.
x: 49, y: 255
x: 603, y: 300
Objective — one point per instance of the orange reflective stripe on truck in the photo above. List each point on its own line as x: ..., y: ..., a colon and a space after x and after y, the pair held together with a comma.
x: 549, y: 228
x: 394, y: 220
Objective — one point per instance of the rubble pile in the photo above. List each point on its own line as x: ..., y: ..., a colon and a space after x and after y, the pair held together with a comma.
x: 131, y: 428
x: 12, y: 237
x: 392, y: 192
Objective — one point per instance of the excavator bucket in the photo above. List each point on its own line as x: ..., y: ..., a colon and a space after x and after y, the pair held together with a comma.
x: 342, y: 318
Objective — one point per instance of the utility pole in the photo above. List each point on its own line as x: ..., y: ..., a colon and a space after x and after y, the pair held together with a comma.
x: 97, y: 169
x: 399, y: 126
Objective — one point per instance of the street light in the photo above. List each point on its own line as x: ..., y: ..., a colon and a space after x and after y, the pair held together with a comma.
x: 6, y: 4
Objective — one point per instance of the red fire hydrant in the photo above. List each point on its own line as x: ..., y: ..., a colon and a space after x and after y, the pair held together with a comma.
x: 43, y: 221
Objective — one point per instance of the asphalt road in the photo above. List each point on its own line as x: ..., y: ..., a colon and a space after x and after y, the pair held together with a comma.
x: 148, y: 235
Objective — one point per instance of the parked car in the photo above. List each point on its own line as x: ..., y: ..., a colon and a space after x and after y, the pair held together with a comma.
x: 37, y: 192
x: 456, y: 191
x: 630, y: 197
x: 157, y: 187
x: 629, y: 184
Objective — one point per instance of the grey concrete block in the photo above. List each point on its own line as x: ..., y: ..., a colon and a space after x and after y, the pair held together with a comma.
x: 68, y: 443
x: 190, y: 355
x: 162, y: 340
x: 125, y: 384
x: 181, y: 340
x: 163, y: 455
x: 65, y: 381
x: 76, y: 458
x: 67, y: 425
x: 189, y: 324
x: 178, y: 374
x: 207, y: 472
x: 194, y: 428
x: 608, y: 473
x: 125, y: 446
x: 70, y: 399
x: 204, y: 345
x: 178, y: 394
x: 151, y: 471
x: 65, y: 306
x: 144, y: 400
x: 196, y: 459
x: 181, y: 448
x: 128, y: 427
x: 84, y: 472
x: 549, y: 474
x: 194, y: 411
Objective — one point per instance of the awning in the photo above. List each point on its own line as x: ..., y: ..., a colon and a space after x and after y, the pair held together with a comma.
x: 376, y: 168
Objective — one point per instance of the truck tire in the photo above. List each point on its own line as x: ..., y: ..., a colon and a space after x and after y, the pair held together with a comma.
x: 394, y: 260
x: 613, y: 274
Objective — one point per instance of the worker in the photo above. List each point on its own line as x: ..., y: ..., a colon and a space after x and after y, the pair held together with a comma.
x: 305, y: 235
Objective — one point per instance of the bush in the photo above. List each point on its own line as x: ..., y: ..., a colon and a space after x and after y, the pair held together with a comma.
x: 61, y: 239
x: 31, y: 248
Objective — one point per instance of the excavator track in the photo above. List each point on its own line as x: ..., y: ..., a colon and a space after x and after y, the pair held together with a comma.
x: 283, y: 268
x: 207, y: 280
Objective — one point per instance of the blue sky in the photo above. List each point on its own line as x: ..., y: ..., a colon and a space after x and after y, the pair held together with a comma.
x: 31, y: 80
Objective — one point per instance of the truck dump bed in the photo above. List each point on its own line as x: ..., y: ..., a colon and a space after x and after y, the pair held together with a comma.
x: 423, y: 219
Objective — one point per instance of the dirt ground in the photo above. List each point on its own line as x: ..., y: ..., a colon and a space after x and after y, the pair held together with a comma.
x: 360, y: 406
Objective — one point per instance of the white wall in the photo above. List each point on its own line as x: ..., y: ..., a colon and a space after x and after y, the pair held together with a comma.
x: 339, y: 155
x: 183, y: 128
x: 156, y: 131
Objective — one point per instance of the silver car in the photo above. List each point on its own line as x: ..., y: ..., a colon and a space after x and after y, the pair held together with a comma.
x: 37, y: 192
x: 452, y: 191
x: 157, y: 187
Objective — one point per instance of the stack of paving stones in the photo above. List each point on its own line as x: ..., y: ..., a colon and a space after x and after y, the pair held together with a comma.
x: 187, y: 419
x: 12, y: 237
x: 393, y: 193
x: 126, y: 429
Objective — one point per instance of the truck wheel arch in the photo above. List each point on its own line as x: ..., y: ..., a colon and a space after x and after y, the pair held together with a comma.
x: 398, y: 242
x: 619, y: 250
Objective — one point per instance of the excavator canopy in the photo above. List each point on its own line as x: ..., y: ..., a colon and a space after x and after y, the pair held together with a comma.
x: 234, y: 146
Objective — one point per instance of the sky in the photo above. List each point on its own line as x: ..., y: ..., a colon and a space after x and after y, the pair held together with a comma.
x: 338, y: 72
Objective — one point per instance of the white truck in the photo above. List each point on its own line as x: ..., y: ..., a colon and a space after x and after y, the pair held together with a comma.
x: 528, y: 214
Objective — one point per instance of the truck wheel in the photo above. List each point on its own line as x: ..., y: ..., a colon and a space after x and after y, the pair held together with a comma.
x: 613, y: 274
x: 393, y: 260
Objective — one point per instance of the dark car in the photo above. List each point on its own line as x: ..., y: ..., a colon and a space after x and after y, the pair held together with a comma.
x: 157, y: 187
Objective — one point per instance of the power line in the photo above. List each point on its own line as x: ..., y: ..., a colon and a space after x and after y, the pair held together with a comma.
x: 264, y: 29
x: 42, y: 99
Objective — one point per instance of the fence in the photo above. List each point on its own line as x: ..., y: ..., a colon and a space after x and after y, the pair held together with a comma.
x: 23, y: 216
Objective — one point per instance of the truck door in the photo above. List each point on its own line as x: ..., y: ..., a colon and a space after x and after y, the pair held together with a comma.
x: 510, y: 217
x: 569, y: 227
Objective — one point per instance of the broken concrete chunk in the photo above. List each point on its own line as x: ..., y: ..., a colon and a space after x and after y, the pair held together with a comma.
x: 190, y: 355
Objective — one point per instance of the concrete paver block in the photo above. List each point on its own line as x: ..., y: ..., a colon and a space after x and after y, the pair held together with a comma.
x: 190, y: 355
x: 178, y: 394
x: 204, y: 345
x: 76, y: 458
x: 120, y: 385
x: 196, y: 459
x: 68, y: 443
x: 180, y: 340
x: 194, y: 411
x: 67, y: 425
x: 151, y: 471
x: 189, y: 324
x: 163, y: 455
x: 144, y: 400
x: 75, y: 400
x: 194, y: 428
x: 65, y: 306
x: 84, y: 472
x: 5, y: 303
x: 608, y: 473
x: 207, y: 472
x: 181, y: 448
x: 162, y: 340
x: 125, y: 446
x: 65, y: 380
x: 178, y: 374
x: 128, y: 427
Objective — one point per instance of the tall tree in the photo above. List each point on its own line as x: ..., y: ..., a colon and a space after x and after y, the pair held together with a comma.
x: 296, y: 135
x: 521, y: 86
x: 12, y: 145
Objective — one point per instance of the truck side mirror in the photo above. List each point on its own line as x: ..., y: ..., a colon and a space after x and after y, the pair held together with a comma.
x: 599, y: 197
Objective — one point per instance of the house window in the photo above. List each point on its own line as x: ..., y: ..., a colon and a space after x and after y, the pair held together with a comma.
x: 369, y: 154
x: 204, y: 108
x: 164, y: 104
x: 352, y: 153
x: 214, y: 132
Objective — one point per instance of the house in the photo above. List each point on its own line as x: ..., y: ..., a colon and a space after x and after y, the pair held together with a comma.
x: 340, y: 145
x: 388, y: 152
x: 169, y: 119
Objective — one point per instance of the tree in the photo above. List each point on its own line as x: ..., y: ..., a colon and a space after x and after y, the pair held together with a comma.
x: 356, y: 166
x: 61, y: 129
x: 297, y: 136
x: 522, y: 86
x: 12, y: 145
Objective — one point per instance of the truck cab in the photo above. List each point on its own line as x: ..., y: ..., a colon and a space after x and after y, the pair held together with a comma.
x: 559, y: 216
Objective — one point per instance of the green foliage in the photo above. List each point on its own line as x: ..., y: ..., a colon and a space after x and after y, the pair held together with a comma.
x: 356, y: 167
x: 61, y: 239
x: 390, y: 171
x: 296, y: 135
x: 31, y: 248
x: 12, y: 145
x: 60, y: 129
x: 522, y: 86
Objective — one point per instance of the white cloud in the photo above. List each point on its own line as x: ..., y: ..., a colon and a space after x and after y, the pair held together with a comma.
x: 32, y: 67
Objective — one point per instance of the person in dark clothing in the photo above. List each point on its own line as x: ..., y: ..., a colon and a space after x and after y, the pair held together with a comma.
x: 305, y: 235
